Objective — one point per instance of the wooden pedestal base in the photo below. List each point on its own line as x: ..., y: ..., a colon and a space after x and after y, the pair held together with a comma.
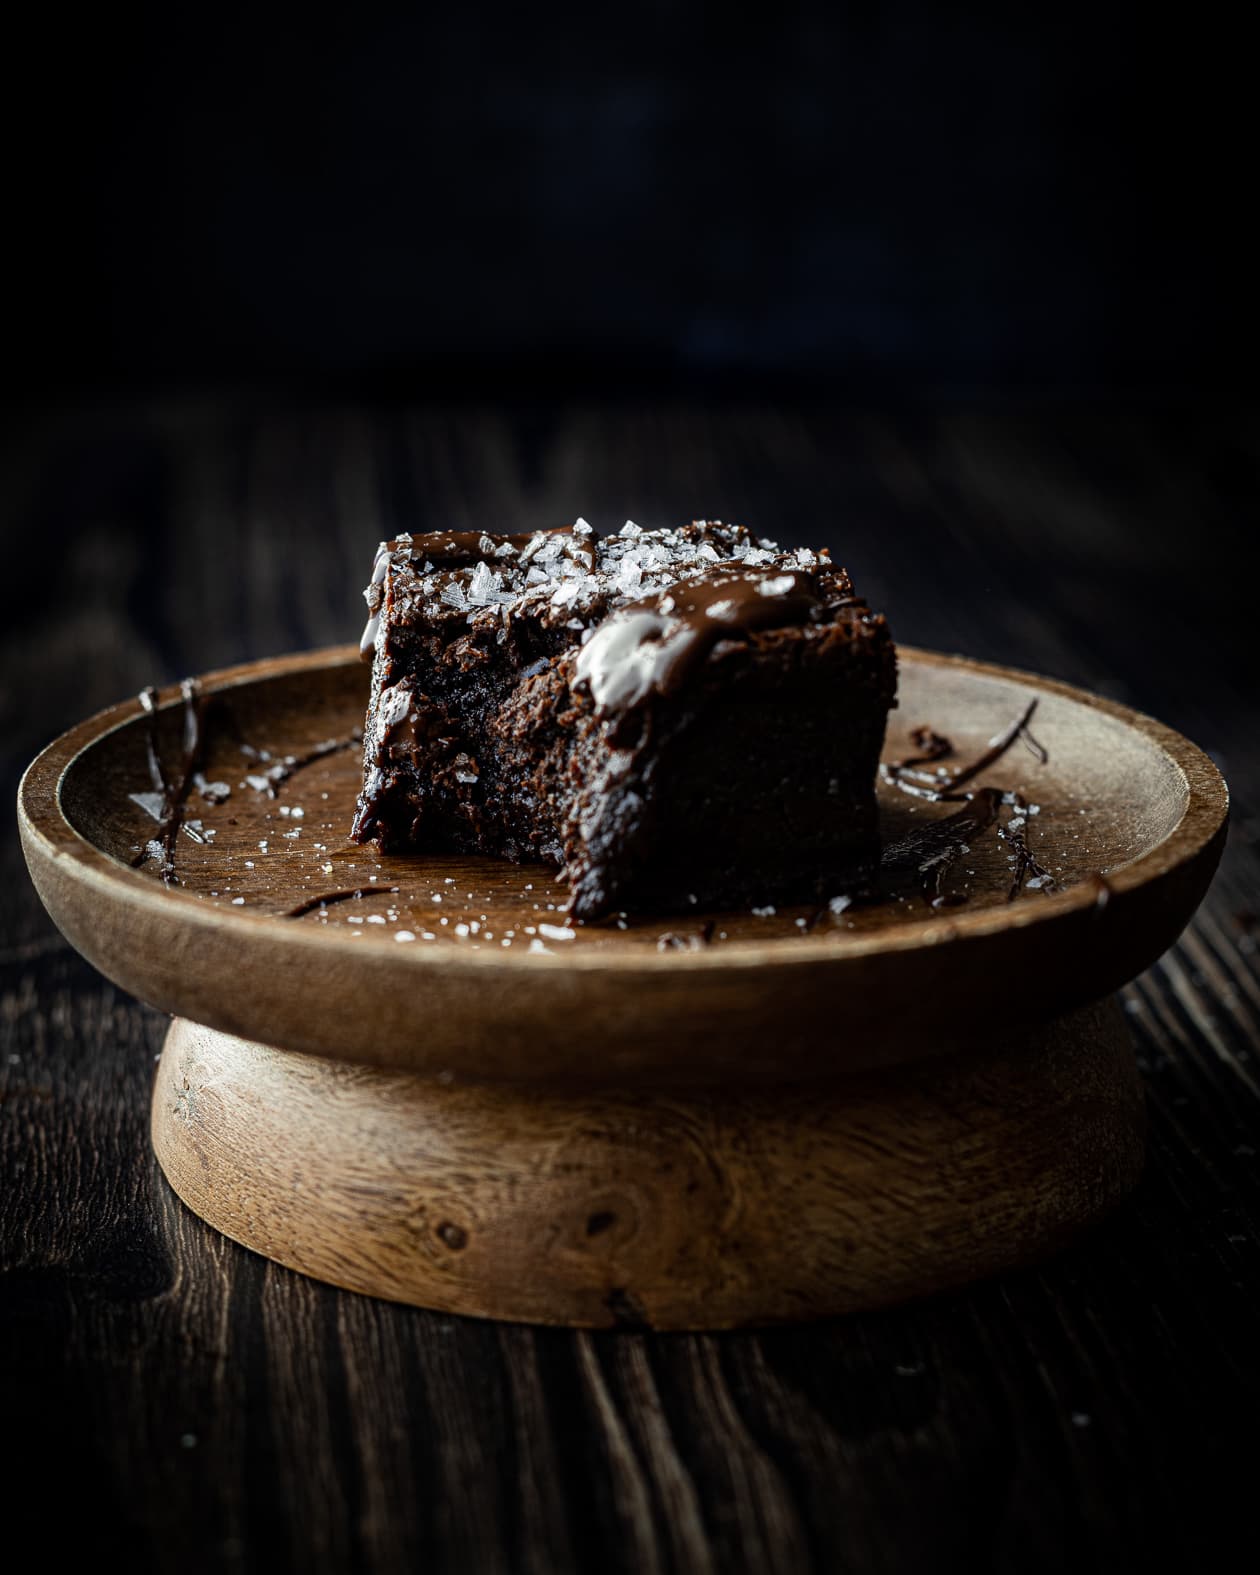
x: 669, y: 1211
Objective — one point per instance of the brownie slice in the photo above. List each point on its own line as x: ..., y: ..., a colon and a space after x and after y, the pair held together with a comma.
x: 676, y: 718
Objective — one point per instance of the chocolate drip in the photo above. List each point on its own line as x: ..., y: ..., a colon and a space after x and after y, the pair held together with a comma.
x: 941, y: 786
x: 651, y: 646
x: 1017, y: 730
x: 277, y: 774
x: 174, y: 792
x: 330, y: 898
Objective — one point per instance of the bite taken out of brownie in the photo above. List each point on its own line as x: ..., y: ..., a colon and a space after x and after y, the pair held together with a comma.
x: 676, y: 718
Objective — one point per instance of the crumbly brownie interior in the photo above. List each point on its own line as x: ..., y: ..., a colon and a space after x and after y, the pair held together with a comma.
x: 676, y: 718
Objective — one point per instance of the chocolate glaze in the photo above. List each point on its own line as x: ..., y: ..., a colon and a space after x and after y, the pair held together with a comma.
x: 652, y: 645
x: 456, y: 550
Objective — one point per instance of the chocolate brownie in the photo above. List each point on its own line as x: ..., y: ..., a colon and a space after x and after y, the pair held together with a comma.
x: 676, y: 718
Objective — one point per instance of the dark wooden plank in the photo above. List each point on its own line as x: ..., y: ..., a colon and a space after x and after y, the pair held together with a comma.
x: 218, y: 1413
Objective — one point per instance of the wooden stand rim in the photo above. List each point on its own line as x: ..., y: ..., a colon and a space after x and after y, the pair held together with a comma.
x: 756, y: 1010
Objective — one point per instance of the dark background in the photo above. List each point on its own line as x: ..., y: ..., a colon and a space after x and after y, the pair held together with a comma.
x: 960, y: 292
x: 436, y: 201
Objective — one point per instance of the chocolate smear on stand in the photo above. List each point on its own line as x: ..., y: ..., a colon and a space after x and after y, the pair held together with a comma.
x: 330, y: 898
x: 276, y: 773
x: 934, y: 848
x: 172, y: 790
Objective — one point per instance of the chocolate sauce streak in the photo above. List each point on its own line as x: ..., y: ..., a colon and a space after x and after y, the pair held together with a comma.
x: 1025, y: 870
x: 940, y: 786
x: 276, y: 775
x: 329, y: 899
x: 174, y: 791
x: 934, y: 848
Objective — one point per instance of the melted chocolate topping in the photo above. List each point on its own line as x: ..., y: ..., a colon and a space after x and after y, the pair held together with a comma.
x: 650, y: 646
x: 456, y: 550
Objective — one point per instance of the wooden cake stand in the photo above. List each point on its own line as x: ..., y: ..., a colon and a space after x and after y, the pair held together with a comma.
x: 410, y: 1077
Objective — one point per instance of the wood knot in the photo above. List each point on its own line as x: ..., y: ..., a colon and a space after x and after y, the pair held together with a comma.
x: 627, y: 1310
x: 453, y: 1236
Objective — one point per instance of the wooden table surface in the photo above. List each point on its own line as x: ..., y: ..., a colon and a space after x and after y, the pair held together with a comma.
x: 192, y: 1407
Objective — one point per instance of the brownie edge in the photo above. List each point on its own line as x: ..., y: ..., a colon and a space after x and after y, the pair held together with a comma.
x: 676, y: 719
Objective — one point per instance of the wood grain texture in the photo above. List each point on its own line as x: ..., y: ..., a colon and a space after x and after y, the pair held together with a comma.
x: 716, y: 1208
x: 215, y: 1412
